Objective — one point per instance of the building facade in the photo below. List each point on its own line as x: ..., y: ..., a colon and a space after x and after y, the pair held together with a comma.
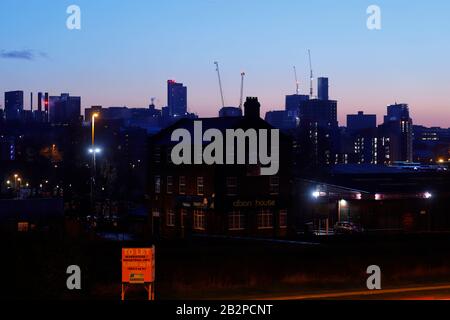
x: 223, y: 200
x: 176, y: 98
x: 13, y: 105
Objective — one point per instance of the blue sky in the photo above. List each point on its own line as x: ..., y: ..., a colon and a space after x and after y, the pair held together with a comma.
x: 126, y: 50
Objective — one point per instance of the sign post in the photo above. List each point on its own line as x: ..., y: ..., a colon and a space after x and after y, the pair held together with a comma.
x: 138, y: 267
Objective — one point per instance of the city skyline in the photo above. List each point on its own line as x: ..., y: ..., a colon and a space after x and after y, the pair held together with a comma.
x: 368, y: 70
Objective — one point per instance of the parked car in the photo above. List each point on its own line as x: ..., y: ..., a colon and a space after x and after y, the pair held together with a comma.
x: 347, y: 228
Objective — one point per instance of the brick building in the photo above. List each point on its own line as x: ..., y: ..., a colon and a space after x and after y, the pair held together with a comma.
x: 227, y: 200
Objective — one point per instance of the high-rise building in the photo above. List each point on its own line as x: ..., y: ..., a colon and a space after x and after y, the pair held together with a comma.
x: 64, y: 109
x: 176, y: 98
x: 46, y: 104
x: 361, y: 140
x: 322, y: 88
x: 361, y: 121
x: 227, y: 112
x: 39, y: 101
x: 291, y: 114
x: 295, y: 101
x: 13, y: 105
x: 396, y: 135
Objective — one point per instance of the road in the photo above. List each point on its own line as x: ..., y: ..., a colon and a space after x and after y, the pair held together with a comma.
x: 430, y: 292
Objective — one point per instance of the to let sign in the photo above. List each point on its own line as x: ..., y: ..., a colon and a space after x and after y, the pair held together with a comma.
x: 138, y: 265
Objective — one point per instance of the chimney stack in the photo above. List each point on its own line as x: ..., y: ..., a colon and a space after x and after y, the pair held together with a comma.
x: 252, y: 108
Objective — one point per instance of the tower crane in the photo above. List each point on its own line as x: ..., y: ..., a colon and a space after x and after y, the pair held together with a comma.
x: 311, y: 78
x: 297, y: 89
x: 242, y: 90
x: 220, y: 83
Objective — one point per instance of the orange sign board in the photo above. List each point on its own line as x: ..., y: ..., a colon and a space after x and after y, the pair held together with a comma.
x: 138, y: 265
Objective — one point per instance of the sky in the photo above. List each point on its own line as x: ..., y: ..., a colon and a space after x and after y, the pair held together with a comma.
x: 125, y: 52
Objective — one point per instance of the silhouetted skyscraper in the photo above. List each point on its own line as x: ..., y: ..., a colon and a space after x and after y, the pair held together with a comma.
x: 13, y: 105
x: 46, y: 103
x: 65, y: 109
x: 39, y: 101
x: 227, y: 112
x: 361, y: 121
x: 362, y: 140
x: 322, y: 88
x: 396, y: 135
x: 176, y: 98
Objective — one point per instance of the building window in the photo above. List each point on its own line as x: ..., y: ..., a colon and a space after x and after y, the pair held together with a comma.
x: 169, y: 155
x: 157, y: 184
x: 169, y: 187
x: 182, y: 185
x: 170, y: 218
x: 235, y: 220
x: 200, y: 186
x: 231, y: 186
x: 274, y: 185
x: 264, y: 219
x: 183, y: 216
x: 199, y: 220
x: 157, y: 155
x: 23, y: 227
x: 155, y: 213
x: 283, y: 219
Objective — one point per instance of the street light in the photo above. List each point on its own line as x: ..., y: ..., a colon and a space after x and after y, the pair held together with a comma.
x: 15, y: 180
x: 341, y: 204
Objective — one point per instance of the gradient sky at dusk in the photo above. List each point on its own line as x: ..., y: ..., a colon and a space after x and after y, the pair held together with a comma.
x: 126, y: 50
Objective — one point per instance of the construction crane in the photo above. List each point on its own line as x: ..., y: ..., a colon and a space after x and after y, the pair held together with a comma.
x: 242, y: 90
x: 297, y: 89
x: 220, y: 83
x: 311, y: 91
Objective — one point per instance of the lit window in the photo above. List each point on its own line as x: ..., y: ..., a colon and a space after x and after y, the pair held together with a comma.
x: 264, y: 219
x: 23, y: 227
x: 182, y: 185
x: 200, y: 187
x: 199, y: 220
x: 235, y: 221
